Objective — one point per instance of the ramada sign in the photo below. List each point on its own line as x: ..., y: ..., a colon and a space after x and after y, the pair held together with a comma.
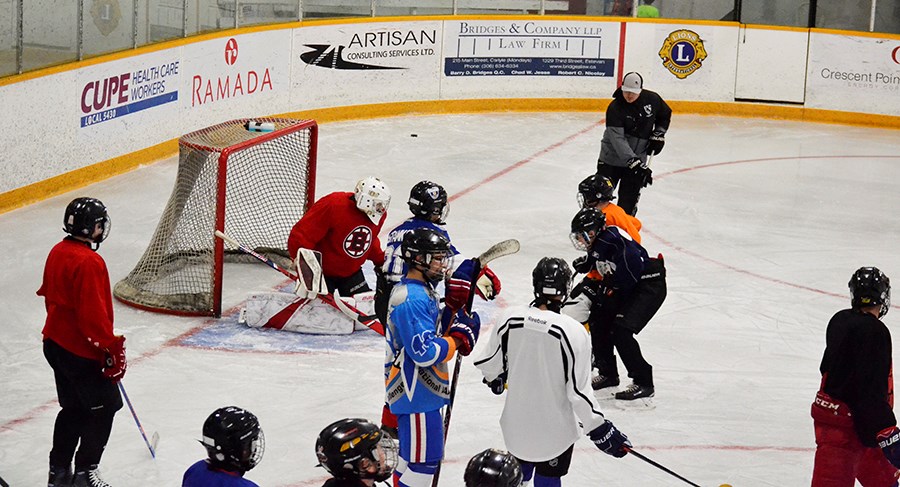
x: 230, y: 85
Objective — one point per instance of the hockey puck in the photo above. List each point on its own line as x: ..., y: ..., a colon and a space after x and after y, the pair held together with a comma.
x: 413, y: 135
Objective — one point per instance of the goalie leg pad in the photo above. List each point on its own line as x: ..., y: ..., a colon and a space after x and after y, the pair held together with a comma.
x: 287, y: 312
x: 310, y: 282
x: 365, y: 303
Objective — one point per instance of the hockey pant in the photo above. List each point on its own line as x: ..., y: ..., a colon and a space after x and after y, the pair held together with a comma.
x: 841, y: 458
x: 421, y: 437
x: 630, y: 185
x: 615, y: 323
x: 89, y: 402
x: 286, y: 311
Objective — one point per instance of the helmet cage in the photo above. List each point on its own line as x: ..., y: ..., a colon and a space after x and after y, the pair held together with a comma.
x: 372, y: 197
x: 233, y: 439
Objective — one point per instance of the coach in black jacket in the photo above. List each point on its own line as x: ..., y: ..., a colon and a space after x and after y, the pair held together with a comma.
x: 636, y: 125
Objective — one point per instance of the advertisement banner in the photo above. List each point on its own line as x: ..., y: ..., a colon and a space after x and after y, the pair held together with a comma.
x: 235, y: 76
x: 528, y: 57
x: 855, y: 74
x: 111, y: 94
x: 339, y: 65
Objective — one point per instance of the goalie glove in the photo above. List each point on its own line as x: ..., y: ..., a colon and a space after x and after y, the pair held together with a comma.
x: 310, y: 281
x: 488, y: 284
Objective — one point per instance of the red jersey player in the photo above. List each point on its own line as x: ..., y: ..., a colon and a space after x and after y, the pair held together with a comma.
x: 79, y: 344
x: 329, y: 245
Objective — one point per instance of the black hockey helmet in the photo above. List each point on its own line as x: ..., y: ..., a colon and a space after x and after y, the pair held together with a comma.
x: 870, y: 287
x: 493, y: 468
x: 594, y: 189
x: 343, y: 444
x: 551, y: 280
x: 83, y: 215
x: 419, y: 248
x: 428, y: 200
x: 585, y: 226
x: 233, y: 439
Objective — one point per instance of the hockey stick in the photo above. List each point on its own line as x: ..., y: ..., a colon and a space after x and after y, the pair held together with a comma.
x: 154, y: 439
x: 664, y: 469
x: 3, y: 483
x: 499, y: 249
x: 344, y: 307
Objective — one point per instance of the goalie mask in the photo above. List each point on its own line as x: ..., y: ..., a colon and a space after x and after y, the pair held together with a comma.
x: 551, y: 281
x: 83, y: 215
x: 372, y: 198
x: 427, y: 251
x: 594, y: 189
x: 356, y: 449
x: 588, y: 222
x: 233, y: 439
x: 870, y: 287
x: 493, y: 468
x: 428, y: 201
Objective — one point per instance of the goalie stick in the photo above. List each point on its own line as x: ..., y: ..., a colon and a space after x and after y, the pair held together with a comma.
x: 499, y: 249
x: 154, y: 439
x: 344, y: 307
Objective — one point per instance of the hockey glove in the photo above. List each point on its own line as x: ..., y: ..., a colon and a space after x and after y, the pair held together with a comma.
x: 115, y: 360
x: 488, y: 284
x: 657, y: 142
x: 644, y: 175
x: 889, y: 441
x: 610, y: 440
x: 498, y: 385
x: 582, y: 265
x: 635, y: 163
x: 465, y: 329
x: 459, y: 285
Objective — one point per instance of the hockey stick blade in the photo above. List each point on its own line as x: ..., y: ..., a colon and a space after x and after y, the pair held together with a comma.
x: 499, y: 249
x: 355, y: 314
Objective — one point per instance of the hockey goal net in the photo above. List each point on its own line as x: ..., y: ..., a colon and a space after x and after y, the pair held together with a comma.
x: 253, y: 186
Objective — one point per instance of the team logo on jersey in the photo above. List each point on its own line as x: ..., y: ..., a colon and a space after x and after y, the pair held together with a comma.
x: 357, y: 242
x: 682, y: 53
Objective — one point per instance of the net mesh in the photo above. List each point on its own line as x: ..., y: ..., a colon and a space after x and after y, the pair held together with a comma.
x: 269, y: 180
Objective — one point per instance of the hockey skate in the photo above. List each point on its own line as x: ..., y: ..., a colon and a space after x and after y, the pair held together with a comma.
x: 635, y: 395
x: 602, y: 381
x: 60, y: 477
x: 89, y: 478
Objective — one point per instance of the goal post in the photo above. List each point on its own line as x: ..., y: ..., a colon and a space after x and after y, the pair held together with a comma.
x: 252, y: 185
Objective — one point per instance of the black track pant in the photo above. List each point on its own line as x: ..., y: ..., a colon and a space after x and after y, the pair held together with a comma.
x: 629, y: 184
x: 89, y: 402
x: 348, y: 286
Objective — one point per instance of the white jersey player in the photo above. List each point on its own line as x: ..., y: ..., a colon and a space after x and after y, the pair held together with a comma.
x: 542, y: 359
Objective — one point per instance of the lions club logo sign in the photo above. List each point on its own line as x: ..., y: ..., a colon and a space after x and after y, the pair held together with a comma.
x: 357, y: 242
x: 682, y: 53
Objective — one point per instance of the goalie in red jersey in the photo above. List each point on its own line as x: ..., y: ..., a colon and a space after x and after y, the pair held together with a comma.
x: 329, y: 246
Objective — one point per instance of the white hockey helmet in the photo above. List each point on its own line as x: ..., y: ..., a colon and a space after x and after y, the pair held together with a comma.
x: 372, y: 197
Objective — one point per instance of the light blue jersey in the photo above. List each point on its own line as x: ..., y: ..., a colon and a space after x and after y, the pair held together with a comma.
x: 416, y: 355
x: 394, y: 266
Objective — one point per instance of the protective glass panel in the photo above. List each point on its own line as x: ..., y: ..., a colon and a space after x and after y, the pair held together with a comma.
x: 887, y: 18
x: 8, y: 35
x: 267, y: 11
x: 337, y: 8
x: 793, y: 13
x: 160, y: 20
x: 843, y: 14
x: 49, y: 33
x: 385, y: 8
x: 108, y: 26
x: 675, y: 9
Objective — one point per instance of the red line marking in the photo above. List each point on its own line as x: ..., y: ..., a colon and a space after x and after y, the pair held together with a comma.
x: 744, y: 271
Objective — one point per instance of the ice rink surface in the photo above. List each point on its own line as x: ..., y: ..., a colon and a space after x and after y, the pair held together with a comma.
x: 761, y: 224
